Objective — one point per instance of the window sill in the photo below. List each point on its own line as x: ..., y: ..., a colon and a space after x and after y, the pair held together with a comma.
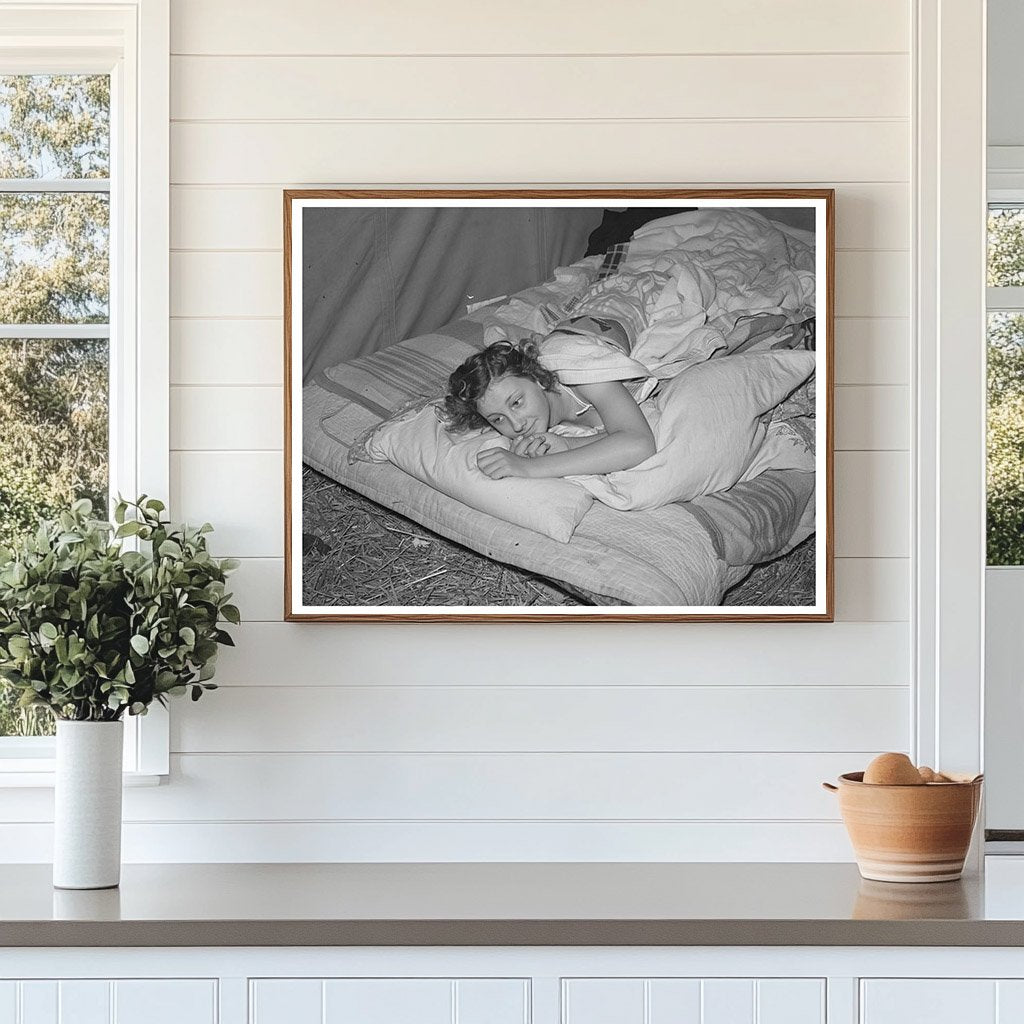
x: 40, y: 774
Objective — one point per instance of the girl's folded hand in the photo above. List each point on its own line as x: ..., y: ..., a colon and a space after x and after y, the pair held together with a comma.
x: 497, y: 463
x: 539, y: 444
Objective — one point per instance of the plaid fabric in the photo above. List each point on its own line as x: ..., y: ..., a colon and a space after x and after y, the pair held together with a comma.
x: 381, y: 384
x: 609, y: 265
x: 612, y: 258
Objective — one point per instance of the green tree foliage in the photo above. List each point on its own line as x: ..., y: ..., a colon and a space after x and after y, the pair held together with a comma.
x: 16, y: 720
x: 1005, y: 247
x: 54, y: 126
x: 54, y: 269
x: 1005, y: 480
x: 54, y: 248
x: 53, y: 447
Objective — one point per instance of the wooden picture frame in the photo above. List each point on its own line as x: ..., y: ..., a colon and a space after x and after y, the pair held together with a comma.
x: 357, y: 522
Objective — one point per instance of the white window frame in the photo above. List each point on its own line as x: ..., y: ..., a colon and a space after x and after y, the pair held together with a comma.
x: 130, y: 41
x: 1005, y: 804
x: 949, y: 443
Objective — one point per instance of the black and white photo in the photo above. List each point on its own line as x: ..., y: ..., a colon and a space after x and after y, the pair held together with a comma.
x: 568, y: 405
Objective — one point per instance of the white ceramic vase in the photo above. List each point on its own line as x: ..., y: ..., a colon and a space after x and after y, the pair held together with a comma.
x: 87, y: 805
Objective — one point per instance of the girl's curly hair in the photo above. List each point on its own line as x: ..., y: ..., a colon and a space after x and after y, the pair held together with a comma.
x: 468, y: 383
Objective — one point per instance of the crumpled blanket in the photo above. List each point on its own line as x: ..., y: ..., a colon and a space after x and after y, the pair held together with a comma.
x: 696, y: 284
x: 712, y: 429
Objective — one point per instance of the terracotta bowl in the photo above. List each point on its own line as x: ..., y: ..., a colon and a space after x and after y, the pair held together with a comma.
x: 909, y: 833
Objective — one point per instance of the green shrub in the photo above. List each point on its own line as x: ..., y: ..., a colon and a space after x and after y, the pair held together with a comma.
x: 90, y: 630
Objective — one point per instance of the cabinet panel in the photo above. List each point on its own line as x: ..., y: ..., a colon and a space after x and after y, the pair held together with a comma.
x: 388, y: 1001
x: 603, y: 1001
x: 728, y: 1001
x: 1009, y: 1002
x: 165, y: 1002
x: 790, y: 1001
x: 84, y: 1002
x: 492, y: 1001
x: 38, y: 1002
x: 694, y: 1001
x: 674, y: 1000
x: 8, y: 1002
x: 286, y: 1001
x: 928, y: 1001
x: 103, y: 1001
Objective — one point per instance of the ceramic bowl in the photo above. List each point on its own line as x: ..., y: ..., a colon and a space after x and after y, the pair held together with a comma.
x: 909, y: 833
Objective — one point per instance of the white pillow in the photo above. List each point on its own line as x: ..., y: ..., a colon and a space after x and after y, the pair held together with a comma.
x: 707, y: 429
x: 418, y: 443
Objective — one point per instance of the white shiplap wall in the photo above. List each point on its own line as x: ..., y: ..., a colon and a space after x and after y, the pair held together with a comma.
x: 604, y: 742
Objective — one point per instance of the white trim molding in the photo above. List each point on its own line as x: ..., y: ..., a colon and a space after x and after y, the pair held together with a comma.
x: 949, y: 285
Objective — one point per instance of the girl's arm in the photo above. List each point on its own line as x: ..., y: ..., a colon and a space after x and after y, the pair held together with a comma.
x: 626, y: 443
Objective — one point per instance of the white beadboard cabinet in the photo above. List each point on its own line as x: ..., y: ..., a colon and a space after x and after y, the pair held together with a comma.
x: 513, y: 985
x: 389, y: 1001
x: 696, y: 1000
x: 109, y: 1001
x: 942, y: 1001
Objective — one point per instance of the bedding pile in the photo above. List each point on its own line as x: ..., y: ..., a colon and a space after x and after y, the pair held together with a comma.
x: 677, y: 532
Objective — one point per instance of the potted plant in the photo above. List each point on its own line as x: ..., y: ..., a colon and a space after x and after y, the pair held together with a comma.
x: 92, y: 629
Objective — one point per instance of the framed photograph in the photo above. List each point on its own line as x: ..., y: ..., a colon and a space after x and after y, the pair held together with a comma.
x: 560, y: 405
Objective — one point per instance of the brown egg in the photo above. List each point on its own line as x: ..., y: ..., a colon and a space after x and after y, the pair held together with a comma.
x: 892, y: 770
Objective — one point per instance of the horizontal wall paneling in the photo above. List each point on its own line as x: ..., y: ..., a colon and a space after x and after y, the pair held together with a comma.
x: 598, y: 150
x: 533, y: 26
x: 537, y: 88
x: 793, y: 654
x: 543, y: 718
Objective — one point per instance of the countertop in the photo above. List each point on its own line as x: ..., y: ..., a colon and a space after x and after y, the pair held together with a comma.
x: 488, y: 904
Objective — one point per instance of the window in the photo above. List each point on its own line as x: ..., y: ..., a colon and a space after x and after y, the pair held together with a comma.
x: 54, y: 309
x: 1005, y: 478
x: 84, y: 126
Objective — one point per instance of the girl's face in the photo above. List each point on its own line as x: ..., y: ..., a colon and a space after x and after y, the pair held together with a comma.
x: 515, y: 406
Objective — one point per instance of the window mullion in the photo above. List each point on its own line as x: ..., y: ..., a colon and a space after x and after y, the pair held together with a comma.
x: 54, y: 184
x: 1005, y: 299
x: 65, y: 332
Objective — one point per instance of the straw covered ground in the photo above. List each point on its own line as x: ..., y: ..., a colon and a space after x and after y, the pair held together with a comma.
x: 357, y: 553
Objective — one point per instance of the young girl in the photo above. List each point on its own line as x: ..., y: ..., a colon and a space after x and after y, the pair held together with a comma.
x: 506, y: 387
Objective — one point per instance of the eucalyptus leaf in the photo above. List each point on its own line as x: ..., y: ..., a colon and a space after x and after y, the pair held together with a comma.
x: 170, y: 549
x: 19, y: 646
